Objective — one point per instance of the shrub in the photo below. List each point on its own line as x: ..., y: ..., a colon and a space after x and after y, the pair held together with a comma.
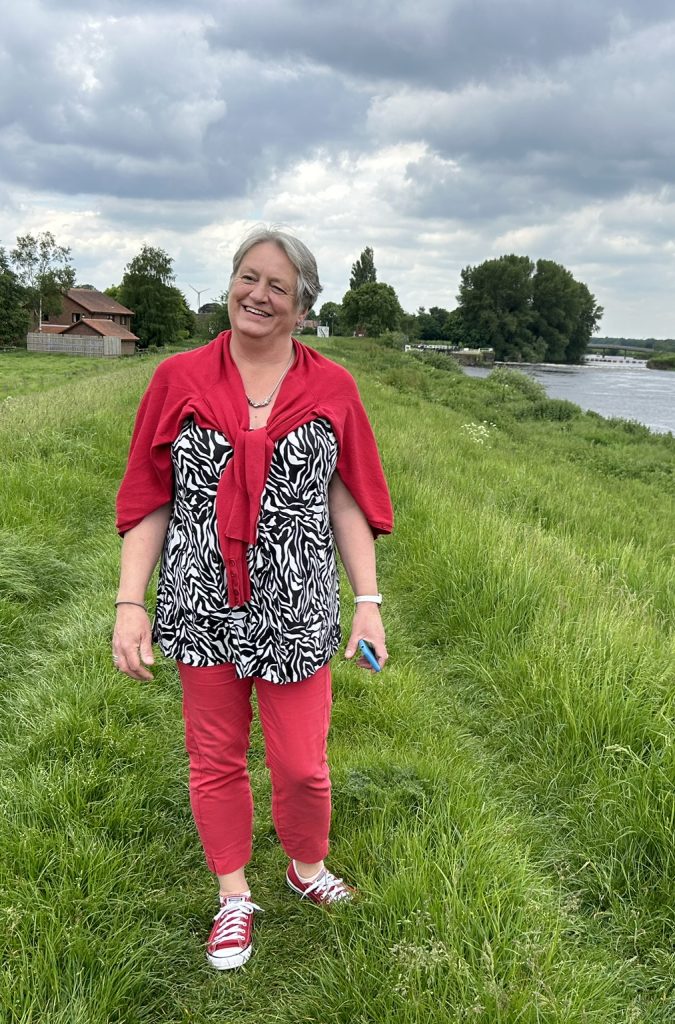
x: 662, y: 362
x: 517, y: 383
x: 439, y: 361
x: 394, y: 339
x: 553, y: 409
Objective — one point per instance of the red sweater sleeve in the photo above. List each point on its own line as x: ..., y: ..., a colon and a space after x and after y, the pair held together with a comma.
x: 360, y: 468
x: 148, y: 481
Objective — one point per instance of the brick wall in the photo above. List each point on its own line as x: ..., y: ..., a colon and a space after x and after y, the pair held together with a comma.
x: 78, y: 345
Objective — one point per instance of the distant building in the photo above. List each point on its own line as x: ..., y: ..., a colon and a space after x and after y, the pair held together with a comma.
x: 89, y: 304
x: 89, y: 324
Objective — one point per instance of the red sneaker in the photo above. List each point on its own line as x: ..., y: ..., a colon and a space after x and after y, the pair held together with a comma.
x: 324, y: 890
x: 230, y: 943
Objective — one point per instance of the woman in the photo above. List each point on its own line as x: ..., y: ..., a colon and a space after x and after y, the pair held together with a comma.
x: 250, y: 457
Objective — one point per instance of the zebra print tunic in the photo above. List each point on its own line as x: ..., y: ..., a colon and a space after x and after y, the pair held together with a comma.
x: 290, y: 628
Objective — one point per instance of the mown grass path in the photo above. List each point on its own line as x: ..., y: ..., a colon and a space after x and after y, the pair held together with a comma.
x: 503, y: 793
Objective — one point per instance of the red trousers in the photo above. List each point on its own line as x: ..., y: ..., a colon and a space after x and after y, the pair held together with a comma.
x: 295, y: 719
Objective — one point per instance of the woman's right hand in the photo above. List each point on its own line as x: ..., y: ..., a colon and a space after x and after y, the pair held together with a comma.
x: 132, y: 642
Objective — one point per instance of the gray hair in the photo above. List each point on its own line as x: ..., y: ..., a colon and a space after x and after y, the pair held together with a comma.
x: 308, y: 285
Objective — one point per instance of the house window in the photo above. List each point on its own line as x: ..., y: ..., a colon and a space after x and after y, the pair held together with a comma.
x: 76, y: 317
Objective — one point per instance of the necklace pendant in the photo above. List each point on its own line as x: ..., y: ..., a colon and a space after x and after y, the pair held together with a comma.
x: 266, y: 401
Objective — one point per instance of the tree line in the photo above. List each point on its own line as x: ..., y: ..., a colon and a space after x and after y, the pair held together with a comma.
x: 37, y: 272
x: 33, y: 276
x: 525, y: 311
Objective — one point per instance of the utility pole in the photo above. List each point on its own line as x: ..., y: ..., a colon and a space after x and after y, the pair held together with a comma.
x: 198, y: 294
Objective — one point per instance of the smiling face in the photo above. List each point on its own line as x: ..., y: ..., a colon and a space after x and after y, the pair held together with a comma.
x: 262, y: 297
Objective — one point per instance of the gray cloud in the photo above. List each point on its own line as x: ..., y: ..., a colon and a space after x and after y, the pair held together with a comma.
x: 430, y: 42
x: 411, y: 126
x: 143, y: 108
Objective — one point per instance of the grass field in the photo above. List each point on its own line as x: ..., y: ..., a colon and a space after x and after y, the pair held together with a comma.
x: 503, y: 795
x: 23, y: 372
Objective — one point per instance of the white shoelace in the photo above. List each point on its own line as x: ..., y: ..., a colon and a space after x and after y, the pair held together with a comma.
x: 329, y: 888
x: 233, y: 921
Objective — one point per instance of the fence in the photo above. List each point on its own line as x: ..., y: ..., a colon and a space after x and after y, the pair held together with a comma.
x: 79, y: 345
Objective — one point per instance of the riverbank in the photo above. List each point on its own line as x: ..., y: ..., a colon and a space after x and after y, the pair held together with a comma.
x: 640, y: 395
x: 503, y: 795
x: 666, y: 361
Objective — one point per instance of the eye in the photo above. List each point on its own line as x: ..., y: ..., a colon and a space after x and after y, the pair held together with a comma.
x: 247, y: 277
x: 278, y: 289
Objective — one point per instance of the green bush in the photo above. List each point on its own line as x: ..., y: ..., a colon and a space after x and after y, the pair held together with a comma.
x: 663, y: 362
x: 439, y: 361
x: 553, y: 409
x: 394, y: 339
x: 504, y: 381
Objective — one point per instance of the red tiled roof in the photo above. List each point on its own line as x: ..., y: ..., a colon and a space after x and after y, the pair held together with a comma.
x: 106, y: 328
x: 96, y: 302
x: 52, y: 328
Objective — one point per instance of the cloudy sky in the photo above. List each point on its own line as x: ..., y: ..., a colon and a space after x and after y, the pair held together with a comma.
x: 439, y: 133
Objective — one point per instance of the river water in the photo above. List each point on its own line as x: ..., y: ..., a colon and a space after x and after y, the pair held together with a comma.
x: 632, y: 393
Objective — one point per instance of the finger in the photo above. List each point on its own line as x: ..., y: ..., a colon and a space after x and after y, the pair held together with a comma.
x: 135, y: 668
x: 350, y: 649
x: 147, y: 656
x: 130, y: 663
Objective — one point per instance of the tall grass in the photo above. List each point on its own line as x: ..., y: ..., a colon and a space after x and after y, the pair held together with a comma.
x: 502, y: 794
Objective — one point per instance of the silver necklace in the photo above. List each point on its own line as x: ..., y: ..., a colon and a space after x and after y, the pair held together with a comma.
x: 266, y: 401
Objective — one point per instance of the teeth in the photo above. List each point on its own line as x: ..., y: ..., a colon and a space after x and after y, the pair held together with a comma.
x: 256, y: 312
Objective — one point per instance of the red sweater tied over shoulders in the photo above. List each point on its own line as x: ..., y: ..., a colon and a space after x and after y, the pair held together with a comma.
x: 205, y: 384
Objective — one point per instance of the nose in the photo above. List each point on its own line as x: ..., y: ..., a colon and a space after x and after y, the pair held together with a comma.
x: 259, y: 291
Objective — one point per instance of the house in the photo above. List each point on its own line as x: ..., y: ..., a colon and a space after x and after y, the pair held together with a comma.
x: 89, y: 304
x: 90, y: 324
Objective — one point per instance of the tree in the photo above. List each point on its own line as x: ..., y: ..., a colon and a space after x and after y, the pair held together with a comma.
x: 363, y: 271
x: 159, y: 307
x: 219, y: 318
x: 371, y: 309
x: 409, y: 326
x: 455, y: 329
x: 566, y: 314
x: 555, y: 307
x: 526, y: 313
x: 588, y: 321
x: 496, y: 303
x: 14, y: 316
x: 45, y: 270
x: 434, y: 324
x: 330, y: 314
x: 187, y: 318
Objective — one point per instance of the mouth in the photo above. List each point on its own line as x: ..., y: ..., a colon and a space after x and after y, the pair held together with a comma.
x: 256, y: 312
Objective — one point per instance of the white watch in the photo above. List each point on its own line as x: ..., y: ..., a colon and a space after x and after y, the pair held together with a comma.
x: 373, y: 598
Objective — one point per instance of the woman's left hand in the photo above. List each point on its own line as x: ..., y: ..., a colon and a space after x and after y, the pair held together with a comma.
x: 367, y: 625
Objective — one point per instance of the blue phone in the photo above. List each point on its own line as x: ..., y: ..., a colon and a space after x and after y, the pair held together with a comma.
x: 368, y: 652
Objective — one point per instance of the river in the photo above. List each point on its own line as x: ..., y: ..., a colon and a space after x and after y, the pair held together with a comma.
x: 632, y: 393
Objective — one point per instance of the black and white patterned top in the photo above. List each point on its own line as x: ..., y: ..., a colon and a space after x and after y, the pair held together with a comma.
x: 290, y: 628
